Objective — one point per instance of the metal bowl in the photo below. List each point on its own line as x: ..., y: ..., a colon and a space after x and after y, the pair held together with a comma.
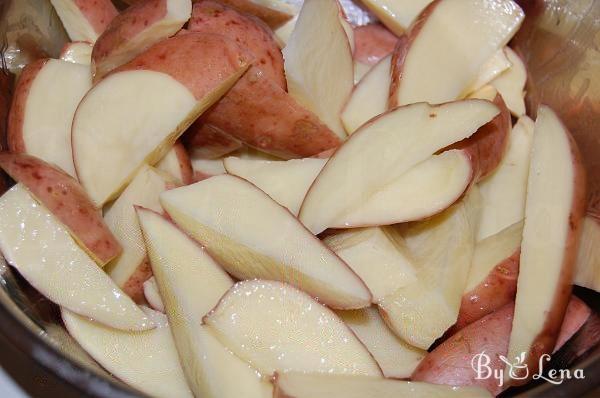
x: 560, y: 43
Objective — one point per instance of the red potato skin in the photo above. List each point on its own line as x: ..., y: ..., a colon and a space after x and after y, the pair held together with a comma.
x: 99, y: 13
x: 208, y: 142
x: 546, y: 339
x: 185, y: 165
x: 450, y: 362
x: 487, y: 146
x: 273, y: 18
x: 16, y: 116
x: 67, y: 200
x: 372, y: 43
x: 198, y: 61
x: 131, y: 22
x: 494, y: 292
x: 134, y: 287
x: 246, y: 30
x: 262, y: 115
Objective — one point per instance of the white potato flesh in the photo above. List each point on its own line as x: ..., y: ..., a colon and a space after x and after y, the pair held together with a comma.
x: 191, y: 283
x: 78, y: 53
x: 76, y: 24
x: 120, y: 217
x: 511, y: 84
x: 318, y: 62
x: 127, y: 119
x: 424, y: 190
x: 377, y: 255
x: 504, y: 191
x: 277, y: 328
x: 443, y: 248
x: 285, y: 181
x: 34, y: 242
x: 396, y: 358
x: 370, y: 96
x: 152, y: 295
x: 456, y: 39
x: 491, y: 69
x: 53, y: 98
x: 397, y: 15
x: 587, y: 272
x: 545, y: 251
x: 252, y: 236
x: 383, y: 150
x: 300, y: 385
x: 144, y: 360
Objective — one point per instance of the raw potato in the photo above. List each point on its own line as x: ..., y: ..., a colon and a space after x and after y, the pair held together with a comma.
x: 135, y: 29
x: 311, y: 385
x: 131, y: 269
x: 34, y: 242
x: 463, y: 35
x: 443, y: 247
x: 38, y: 126
x: 318, y: 62
x: 274, y: 13
x: 145, y: 360
x: 396, y: 358
x: 67, y: 201
x: 372, y: 43
x: 395, y: 142
x: 587, y: 272
x: 77, y: 52
x: 152, y: 295
x: 450, y: 362
x: 257, y: 110
x: 397, y: 15
x: 205, y: 141
x: 85, y: 20
x: 372, y: 253
x: 423, y: 191
x: 504, y: 191
x: 277, y: 328
x: 554, y: 209
x: 511, y: 84
x: 492, y: 68
x: 177, y: 163
x: 492, y: 281
x: 145, y: 105
x: 205, y: 168
x: 369, y: 97
x: 252, y: 236
x: 285, y: 181
x: 191, y: 283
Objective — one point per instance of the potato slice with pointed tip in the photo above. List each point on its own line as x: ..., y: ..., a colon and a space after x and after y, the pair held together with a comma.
x: 278, y: 328
x: 369, y: 97
x: 191, y: 283
x: 396, y: 358
x: 554, y: 209
x: 511, y: 84
x: 443, y: 248
x: 310, y: 385
x: 131, y: 269
x: 85, y: 20
x: 143, y: 107
x: 423, y: 191
x: 205, y: 168
x: 145, y: 360
x: 177, y: 163
x: 492, y: 281
x: 492, y: 68
x: 40, y: 127
x: 77, y: 52
x: 285, y: 181
x: 67, y: 201
x: 321, y: 83
x: 503, y: 192
x: 223, y: 212
x: 34, y: 242
x: 135, y: 29
x: 373, y: 252
x: 397, y: 15
x: 395, y: 142
x: 463, y: 35
x: 152, y: 295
